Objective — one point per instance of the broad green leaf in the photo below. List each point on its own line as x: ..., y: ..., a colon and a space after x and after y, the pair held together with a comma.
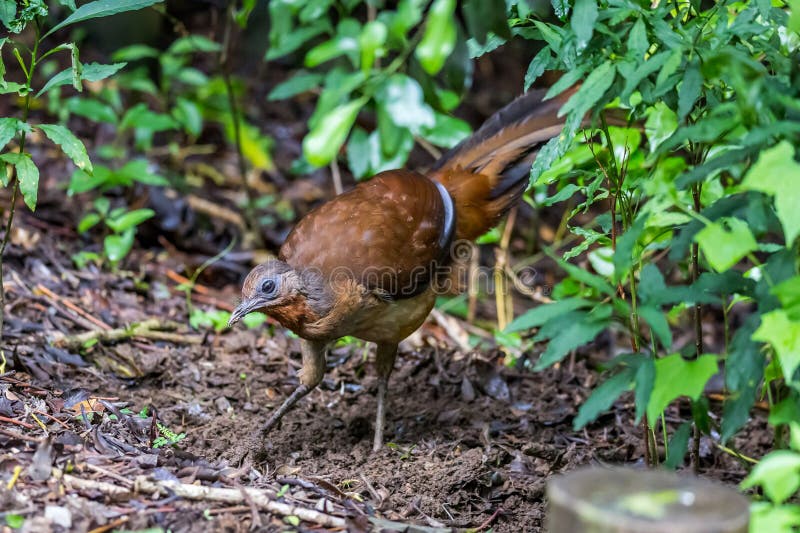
x: 402, y: 99
x: 778, y: 474
x: 101, y: 8
x: 744, y: 369
x: 570, y: 337
x: 299, y: 83
x: 447, y: 131
x: 637, y: 40
x: 90, y: 72
x: 584, y: 16
x: 331, y: 49
x: 8, y: 129
x: 371, y: 41
x: 193, y: 43
x: 776, y: 173
x: 322, y: 143
x: 8, y: 12
x: 603, y: 397
x: 129, y: 219
x: 88, y: 222
x: 365, y: 156
x: 80, y: 181
x: 70, y: 145
x: 27, y: 176
x: 592, y: 90
x: 189, y: 115
x: 139, y: 116
x: 137, y: 171
x: 660, y: 125
x: 725, y: 242
x: 765, y: 516
x: 117, y: 247
x: 784, y: 335
x: 537, y: 66
x: 659, y: 326
x: 678, y: 445
x: 91, y: 109
x: 439, y: 38
x: 135, y: 52
x: 676, y: 377
x: 689, y: 90
x: 540, y: 314
x: 645, y: 379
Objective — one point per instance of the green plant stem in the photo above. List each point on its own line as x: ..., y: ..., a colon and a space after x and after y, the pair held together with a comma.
x: 698, y: 326
x: 14, y: 182
x: 224, y: 68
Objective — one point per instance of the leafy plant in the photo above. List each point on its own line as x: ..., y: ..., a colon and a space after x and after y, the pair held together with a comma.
x: 694, y: 211
x: 22, y: 174
x: 407, y: 67
x: 121, y: 223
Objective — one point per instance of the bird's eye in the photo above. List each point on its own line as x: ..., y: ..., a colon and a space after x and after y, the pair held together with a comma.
x: 268, y: 286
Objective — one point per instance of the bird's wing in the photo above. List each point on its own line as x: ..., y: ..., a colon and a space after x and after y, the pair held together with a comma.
x: 388, y: 233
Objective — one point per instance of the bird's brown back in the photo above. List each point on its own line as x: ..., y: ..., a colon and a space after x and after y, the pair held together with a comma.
x: 385, y: 233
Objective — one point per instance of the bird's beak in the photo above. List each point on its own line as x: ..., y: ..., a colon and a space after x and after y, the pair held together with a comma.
x: 241, y: 310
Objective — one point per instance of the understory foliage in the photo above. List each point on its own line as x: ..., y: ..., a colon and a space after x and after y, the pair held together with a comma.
x: 685, y: 209
x: 695, y: 198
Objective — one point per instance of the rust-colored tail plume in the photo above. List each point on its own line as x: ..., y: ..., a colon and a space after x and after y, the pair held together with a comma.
x: 488, y: 172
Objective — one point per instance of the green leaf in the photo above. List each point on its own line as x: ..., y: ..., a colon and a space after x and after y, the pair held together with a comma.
x: 27, y: 176
x: 439, y: 39
x: 660, y: 125
x: 689, y: 91
x: 371, y: 41
x: 784, y: 335
x: 658, y: 325
x: 447, y: 131
x: 117, y: 246
x: 135, y: 52
x: 776, y: 173
x: 8, y: 12
x: 88, y: 222
x: 537, y: 66
x: 322, y: 143
x: 193, y: 43
x: 678, y: 446
x: 137, y: 171
x: 101, y: 8
x: 676, y: 377
x: 402, y: 99
x: 725, y: 242
x: 603, y: 397
x: 15, y: 521
x: 70, y: 144
x: 299, y: 83
x: 744, y: 369
x: 8, y: 129
x: 139, y: 116
x: 774, y: 518
x: 645, y: 379
x: 592, y: 90
x: 539, y: 315
x: 91, y: 109
x: 90, y: 72
x: 778, y: 474
x: 637, y: 40
x: 570, y: 337
x: 189, y: 115
x: 129, y: 219
x: 584, y: 15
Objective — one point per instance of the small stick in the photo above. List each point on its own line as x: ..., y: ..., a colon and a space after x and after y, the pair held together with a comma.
x: 153, y: 329
x: 260, y: 498
x: 17, y: 422
x: 490, y: 519
x: 71, y: 306
x: 183, y: 280
x: 337, y: 177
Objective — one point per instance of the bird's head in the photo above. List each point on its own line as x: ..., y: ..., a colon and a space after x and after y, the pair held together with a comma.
x: 268, y: 286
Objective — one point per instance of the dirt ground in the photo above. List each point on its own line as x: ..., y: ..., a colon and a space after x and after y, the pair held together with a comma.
x: 471, y: 443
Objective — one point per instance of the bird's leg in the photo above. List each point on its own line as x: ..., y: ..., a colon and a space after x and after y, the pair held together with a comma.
x: 310, y: 376
x: 385, y: 354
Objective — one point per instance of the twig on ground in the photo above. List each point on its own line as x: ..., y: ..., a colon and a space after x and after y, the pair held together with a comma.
x: 260, y: 498
x: 41, y: 289
x: 17, y: 422
x: 153, y: 329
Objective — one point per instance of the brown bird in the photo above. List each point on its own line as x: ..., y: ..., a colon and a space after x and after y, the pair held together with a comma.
x: 369, y: 263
